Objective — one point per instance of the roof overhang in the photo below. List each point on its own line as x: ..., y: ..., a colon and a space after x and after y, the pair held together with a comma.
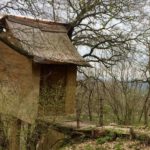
x: 44, y: 41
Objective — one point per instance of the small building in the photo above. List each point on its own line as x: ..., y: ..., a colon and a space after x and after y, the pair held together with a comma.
x: 38, y: 66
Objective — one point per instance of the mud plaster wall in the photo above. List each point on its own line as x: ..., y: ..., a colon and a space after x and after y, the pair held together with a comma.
x: 19, y: 85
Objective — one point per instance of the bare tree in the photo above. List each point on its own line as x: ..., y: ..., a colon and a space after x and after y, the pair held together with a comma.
x: 104, y: 31
x: 98, y: 26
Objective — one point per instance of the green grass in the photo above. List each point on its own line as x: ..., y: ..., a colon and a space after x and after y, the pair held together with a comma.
x: 118, y: 146
x: 88, y: 147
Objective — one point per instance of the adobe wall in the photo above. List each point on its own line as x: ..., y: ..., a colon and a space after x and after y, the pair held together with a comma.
x: 19, y: 85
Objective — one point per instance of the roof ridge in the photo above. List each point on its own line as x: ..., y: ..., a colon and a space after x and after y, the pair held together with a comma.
x: 47, y: 26
x: 21, y: 17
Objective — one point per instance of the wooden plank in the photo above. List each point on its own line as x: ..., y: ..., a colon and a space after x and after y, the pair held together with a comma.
x: 14, y: 134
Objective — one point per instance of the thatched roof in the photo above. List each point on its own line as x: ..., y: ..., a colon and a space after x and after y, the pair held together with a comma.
x: 43, y: 41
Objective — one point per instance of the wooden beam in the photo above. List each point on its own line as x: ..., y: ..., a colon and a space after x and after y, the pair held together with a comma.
x: 14, y: 134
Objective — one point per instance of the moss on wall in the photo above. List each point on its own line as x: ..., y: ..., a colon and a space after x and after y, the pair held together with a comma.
x: 19, y: 85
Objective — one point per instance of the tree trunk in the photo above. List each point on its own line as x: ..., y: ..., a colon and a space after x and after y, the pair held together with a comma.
x: 78, y: 113
x: 89, y: 106
x: 100, y: 112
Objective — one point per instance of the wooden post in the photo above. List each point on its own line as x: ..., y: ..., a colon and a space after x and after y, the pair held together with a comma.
x: 70, y: 90
x: 14, y: 134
